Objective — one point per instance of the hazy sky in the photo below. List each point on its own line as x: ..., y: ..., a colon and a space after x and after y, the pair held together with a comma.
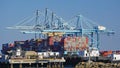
x: 104, y: 12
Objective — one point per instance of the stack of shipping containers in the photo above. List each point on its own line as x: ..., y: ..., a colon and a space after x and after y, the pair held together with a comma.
x: 75, y: 43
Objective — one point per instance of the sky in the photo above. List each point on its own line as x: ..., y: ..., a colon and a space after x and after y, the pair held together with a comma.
x: 104, y: 12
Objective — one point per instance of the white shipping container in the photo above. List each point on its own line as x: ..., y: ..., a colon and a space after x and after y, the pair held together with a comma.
x: 40, y: 53
x: 0, y: 55
x: 115, y: 57
x: 56, y: 53
x: 51, y: 53
x: 45, y: 54
x: 6, y: 56
x: 93, y: 53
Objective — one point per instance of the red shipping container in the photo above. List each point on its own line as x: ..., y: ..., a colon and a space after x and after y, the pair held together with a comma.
x: 51, y: 42
x: 11, y: 45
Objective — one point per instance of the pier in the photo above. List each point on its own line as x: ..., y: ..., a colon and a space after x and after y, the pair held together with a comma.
x: 33, y: 63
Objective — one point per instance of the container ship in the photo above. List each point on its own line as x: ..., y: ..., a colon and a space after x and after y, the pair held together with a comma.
x: 57, y: 44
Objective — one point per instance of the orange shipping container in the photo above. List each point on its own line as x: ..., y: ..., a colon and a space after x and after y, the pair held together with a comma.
x: 51, y: 41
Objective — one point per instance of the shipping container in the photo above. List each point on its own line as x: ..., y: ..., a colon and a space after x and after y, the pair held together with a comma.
x: 94, y: 52
x: 115, y: 57
x: 106, y: 53
x: 11, y: 45
x: 51, y: 41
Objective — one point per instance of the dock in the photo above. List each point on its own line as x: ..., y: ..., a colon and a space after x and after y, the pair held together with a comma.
x: 48, y: 63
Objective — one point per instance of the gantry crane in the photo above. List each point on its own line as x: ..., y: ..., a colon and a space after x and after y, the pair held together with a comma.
x: 48, y: 22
